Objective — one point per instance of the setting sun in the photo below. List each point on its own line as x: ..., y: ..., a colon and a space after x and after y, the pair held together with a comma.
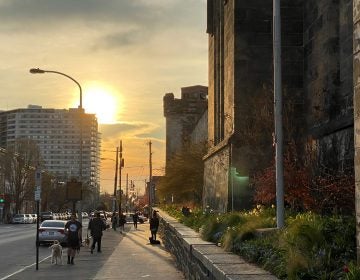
x: 102, y: 101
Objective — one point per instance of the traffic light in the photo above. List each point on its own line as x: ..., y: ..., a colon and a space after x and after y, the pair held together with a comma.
x: 2, y: 198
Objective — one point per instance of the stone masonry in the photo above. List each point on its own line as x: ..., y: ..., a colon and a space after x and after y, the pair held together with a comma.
x: 202, y: 260
x: 317, y: 87
x: 182, y: 116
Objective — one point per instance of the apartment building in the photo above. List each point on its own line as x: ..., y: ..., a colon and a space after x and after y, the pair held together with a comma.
x: 57, y: 133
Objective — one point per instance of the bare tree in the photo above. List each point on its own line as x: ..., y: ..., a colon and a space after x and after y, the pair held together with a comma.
x: 19, y: 164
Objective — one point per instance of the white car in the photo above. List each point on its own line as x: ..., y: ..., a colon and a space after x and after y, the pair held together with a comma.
x: 19, y: 219
x: 29, y: 218
x: 51, y: 230
x: 34, y: 216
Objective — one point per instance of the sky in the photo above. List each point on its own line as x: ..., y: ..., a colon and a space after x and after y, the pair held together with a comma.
x: 126, y: 54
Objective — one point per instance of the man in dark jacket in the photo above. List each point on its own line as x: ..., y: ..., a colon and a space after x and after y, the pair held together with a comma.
x: 96, y: 227
x: 154, y: 225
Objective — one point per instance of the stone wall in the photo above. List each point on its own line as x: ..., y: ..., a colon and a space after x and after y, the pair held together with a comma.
x: 200, y: 133
x: 202, y: 260
x: 216, y: 180
x: 328, y: 80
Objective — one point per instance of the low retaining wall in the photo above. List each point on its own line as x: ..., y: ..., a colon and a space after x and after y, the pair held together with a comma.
x: 199, y: 259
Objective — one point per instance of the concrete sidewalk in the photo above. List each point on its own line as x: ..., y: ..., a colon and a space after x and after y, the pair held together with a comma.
x: 126, y: 255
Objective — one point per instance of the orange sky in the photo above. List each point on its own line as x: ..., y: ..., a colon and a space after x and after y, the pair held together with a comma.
x: 126, y: 54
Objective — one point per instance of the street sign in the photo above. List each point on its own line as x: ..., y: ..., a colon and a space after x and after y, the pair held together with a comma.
x: 37, y: 195
x: 38, y: 177
x: 74, y: 190
x: 38, y: 184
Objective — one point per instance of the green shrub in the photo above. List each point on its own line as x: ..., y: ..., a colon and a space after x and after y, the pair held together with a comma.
x: 352, y: 271
x: 310, y: 247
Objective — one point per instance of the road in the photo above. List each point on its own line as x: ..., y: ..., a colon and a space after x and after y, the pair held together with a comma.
x: 18, y: 249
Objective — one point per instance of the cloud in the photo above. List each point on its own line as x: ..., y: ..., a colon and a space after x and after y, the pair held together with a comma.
x: 126, y: 38
x: 127, y: 129
x: 146, y: 13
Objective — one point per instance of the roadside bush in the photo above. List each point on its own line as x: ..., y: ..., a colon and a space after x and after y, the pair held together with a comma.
x: 310, y: 247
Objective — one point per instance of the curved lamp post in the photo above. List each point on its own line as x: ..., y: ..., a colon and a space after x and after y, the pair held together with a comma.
x: 41, y: 71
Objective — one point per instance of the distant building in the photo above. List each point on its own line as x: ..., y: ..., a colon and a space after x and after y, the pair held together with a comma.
x: 182, y: 117
x: 317, y: 83
x: 57, y: 134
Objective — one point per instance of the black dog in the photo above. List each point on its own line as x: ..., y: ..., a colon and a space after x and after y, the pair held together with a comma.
x: 152, y: 241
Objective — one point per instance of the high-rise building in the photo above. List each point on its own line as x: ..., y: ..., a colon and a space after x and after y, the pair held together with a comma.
x: 57, y: 133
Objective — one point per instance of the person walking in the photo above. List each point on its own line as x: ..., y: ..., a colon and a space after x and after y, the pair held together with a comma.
x: 96, y: 227
x: 154, y: 225
x: 135, y: 219
x: 73, y: 232
x: 114, y: 220
x: 122, y: 221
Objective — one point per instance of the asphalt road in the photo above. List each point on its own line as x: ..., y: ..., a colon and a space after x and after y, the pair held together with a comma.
x: 18, y: 249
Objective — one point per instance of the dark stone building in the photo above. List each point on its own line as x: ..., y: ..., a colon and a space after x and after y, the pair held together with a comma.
x: 317, y: 90
x: 182, y: 117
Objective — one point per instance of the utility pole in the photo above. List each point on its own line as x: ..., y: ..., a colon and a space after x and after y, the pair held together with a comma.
x: 127, y: 194
x: 120, y: 167
x: 115, y: 181
x: 278, y: 115
x: 150, y: 179
x: 127, y: 183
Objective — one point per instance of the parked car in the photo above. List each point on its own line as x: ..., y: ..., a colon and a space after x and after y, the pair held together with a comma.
x: 29, y: 218
x: 103, y: 216
x: 19, y: 219
x: 46, y: 216
x: 34, y: 216
x: 129, y: 218
x: 142, y: 219
x: 51, y: 230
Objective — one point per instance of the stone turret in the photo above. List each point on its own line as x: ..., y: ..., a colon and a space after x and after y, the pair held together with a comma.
x: 182, y: 115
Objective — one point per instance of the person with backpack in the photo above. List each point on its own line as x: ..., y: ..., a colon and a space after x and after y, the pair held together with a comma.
x: 96, y: 227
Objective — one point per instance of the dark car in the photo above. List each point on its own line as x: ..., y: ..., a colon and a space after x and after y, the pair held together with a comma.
x: 46, y: 216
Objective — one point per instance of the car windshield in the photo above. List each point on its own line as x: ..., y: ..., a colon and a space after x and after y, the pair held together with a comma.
x: 45, y: 213
x: 53, y: 224
x: 18, y: 216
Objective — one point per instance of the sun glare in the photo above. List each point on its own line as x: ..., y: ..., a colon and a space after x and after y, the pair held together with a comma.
x: 102, y: 101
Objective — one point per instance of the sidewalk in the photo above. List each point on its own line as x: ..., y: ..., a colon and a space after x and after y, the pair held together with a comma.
x: 124, y: 256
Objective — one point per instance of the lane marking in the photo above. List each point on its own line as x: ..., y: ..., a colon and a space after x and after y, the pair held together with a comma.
x: 22, y: 269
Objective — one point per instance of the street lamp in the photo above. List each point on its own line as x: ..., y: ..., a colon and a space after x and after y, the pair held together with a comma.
x: 41, y: 71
